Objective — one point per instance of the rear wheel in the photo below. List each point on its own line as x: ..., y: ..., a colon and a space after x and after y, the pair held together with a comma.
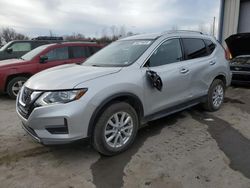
x: 215, y: 96
x: 116, y: 129
x: 14, y: 86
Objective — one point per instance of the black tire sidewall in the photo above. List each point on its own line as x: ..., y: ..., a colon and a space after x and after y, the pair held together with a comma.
x: 11, y: 83
x: 98, y: 135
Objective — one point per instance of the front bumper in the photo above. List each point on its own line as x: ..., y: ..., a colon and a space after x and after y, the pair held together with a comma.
x: 59, y: 123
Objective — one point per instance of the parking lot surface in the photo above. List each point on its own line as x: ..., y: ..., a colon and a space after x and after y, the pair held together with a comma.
x: 192, y: 149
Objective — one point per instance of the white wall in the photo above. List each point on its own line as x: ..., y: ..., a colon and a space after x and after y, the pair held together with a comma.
x: 244, y: 17
x: 231, y: 18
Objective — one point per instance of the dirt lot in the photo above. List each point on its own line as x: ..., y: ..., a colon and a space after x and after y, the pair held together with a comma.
x: 188, y: 149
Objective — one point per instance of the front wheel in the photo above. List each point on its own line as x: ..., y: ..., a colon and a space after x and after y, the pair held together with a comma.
x: 15, y: 85
x: 215, y: 96
x: 115, y: 129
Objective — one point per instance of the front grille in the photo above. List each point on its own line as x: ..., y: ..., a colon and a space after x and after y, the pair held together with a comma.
x: 26, y: 101
x: 240, y: 68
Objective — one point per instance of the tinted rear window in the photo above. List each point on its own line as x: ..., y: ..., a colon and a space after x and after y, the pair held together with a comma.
x: 194, y: 48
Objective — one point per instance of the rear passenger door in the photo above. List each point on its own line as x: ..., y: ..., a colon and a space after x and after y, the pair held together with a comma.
x: 166, y: 61
x: 199, y: 64
x: 56, y: 56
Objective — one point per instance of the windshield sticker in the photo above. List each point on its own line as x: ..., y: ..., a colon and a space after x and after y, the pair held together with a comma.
x: 142, y: 43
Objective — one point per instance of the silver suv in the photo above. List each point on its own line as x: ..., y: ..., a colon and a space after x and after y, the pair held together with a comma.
x: 132, y: 81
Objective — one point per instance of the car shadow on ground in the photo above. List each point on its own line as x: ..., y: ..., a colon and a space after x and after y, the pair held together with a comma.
x: 242, y: 85
x: 5, y: 97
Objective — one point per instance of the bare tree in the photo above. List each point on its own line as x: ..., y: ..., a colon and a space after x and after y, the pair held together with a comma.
x: 51, y: 33
x: 113, y: 30
x: 130, y: 33
x: 9, y: 34
x: 75, y: 36
x: 104, y: 32
x: 122, y: 31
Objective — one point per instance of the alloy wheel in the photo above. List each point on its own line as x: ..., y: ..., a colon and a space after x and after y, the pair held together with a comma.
x: 218, y: 96
x: 118, y: 129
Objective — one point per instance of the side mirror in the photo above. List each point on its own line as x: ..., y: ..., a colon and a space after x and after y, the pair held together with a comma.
x: 9, y: 50
x: 43, y: 59
x: 154, y: 79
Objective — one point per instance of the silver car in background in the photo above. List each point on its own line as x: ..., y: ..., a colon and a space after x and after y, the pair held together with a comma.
x: 132, y: 81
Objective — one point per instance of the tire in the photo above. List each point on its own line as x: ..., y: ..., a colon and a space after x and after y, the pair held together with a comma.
x: 100, y: 139
x: 17, y: 83
x: 210, y: 104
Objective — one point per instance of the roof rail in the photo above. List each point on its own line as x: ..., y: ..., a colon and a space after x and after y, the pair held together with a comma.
x: 48, y: 38
x: 79, y: 41
x: 179, y: 31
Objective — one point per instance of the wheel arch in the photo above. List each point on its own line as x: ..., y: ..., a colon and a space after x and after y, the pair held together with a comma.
x: 10, y: 77
x: 130, y: 98
x: 221, y: 77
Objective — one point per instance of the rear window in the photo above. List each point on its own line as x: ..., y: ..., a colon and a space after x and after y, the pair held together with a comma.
x: 194, y: 48
x: 210, y: 45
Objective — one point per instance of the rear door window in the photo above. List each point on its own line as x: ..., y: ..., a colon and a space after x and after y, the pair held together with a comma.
x: 78, y: 51
x: 58, y: 54
x: 194, y: 48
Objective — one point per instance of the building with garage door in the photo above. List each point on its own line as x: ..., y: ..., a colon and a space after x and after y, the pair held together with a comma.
x: 235, y: 18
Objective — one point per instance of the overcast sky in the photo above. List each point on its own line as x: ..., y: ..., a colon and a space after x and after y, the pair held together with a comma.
x: 91, y: 17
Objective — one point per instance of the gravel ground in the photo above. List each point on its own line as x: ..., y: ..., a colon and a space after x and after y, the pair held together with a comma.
x: 188, y: 149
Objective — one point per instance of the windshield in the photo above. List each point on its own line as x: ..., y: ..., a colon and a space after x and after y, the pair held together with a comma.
x: 119, y: 54
x: 30, y: 55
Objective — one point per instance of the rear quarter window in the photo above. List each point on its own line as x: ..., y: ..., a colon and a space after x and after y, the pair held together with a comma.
x: 93, y: 49
x: 194, y: 48
x: 210, y: 45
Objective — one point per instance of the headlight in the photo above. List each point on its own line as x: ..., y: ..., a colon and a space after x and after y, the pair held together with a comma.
x: 60, y: 97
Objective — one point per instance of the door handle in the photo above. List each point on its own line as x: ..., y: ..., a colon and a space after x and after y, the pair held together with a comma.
x: 212, y: 62
x: 184, y: 70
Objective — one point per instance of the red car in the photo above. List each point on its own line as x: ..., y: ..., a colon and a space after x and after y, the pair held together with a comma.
x: 15, y: 72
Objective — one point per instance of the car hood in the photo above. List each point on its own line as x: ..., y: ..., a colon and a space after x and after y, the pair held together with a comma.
x: 9, y: 62
x: 239, y: 44
x: 67, y: 76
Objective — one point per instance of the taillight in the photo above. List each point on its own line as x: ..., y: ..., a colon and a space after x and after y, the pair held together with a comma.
x: 228, y: 55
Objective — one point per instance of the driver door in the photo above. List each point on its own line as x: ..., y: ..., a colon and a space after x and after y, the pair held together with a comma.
x: 167, y: 62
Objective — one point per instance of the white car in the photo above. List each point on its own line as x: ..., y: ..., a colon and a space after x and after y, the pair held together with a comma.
x: 129, y: 82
